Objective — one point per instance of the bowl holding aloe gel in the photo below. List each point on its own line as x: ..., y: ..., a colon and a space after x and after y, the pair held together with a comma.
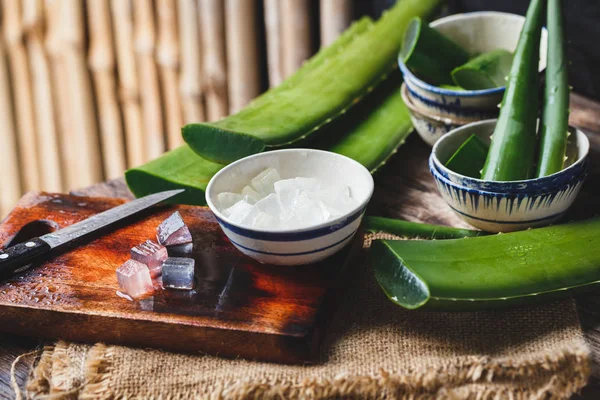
x: 504, y: 206
x: 485, y: 37
x: 292, y: 206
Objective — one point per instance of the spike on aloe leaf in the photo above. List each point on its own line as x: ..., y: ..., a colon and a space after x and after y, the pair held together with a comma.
x: 409, y: 229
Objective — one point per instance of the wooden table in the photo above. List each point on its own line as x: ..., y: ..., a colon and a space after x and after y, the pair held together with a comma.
x: 401, y: 186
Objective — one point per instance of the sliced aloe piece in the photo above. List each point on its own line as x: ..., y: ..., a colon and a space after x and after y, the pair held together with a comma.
x: 375, y: 128
x: 468, y: 160
x: 409, y: 229
x: 555, y: 116
x: 512, y: 149
x: 489, y: 271
x: 178, y: 169
x: 486, y: 71
x: 429, y: 54
x: 283, y: 116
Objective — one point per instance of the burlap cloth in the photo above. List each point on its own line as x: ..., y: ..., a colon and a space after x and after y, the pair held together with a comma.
x: 373, y: 349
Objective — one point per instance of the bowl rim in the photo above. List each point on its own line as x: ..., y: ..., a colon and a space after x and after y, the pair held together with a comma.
x: 409, y: 76
x: 405, y: 94
x: 340, y: 221
x: 445, y: 169
x: 519, y: 192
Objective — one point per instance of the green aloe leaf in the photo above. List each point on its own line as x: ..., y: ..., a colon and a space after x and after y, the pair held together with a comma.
x: 409, y: 229
x: 489, y: 271
x: 283, y: 116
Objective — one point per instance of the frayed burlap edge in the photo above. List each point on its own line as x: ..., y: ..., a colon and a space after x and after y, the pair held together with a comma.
x: 558, y: 375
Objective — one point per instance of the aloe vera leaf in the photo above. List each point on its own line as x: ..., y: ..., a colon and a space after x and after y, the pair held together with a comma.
x: 512, y: 149
x: 555, y: 114
x: 372, y: 132
x: 282, y: 117
x: 469, y: 158
x: 178, y: 169
x: 429, y: 54
x: 409, y: 229
x: 488, y: 70
x: 489, y: 271
x: 453, y: 87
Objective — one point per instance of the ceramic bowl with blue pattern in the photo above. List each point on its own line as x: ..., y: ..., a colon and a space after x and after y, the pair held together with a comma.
x: 294, y: 246
x: 477, y: 32
x: 508, y: 206
x: 429, y: 127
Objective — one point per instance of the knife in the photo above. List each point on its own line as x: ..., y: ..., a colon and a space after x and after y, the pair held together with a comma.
x: 14, y: 258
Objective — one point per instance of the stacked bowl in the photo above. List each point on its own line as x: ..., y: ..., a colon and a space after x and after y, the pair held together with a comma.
x: 508, y: 206
x: 436, y: 111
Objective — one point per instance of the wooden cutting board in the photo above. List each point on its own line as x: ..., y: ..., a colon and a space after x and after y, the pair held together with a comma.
x: 239, y: 308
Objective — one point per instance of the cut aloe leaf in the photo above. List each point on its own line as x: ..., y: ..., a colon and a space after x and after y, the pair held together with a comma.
x: 283, y: 116
x: 489, y: 271
x: 555, y: 115
x: 178, y: 169
x: 409, y: 229
x: 512, y: 149
x: 468, y: 160
x: 486, y: 71
x: 375, y: 128
x: 453, y: 87
x: 429, y: 54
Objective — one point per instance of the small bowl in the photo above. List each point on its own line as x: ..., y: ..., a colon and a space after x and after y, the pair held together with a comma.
x: 294, y: 246
x: 477, y: 32
x: 507, y: 206
x: 429, y: 127
x: 578, y: 147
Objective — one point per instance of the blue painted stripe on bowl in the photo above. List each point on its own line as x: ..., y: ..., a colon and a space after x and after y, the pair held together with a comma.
x: 292, y: 236
x: 529, y: 187
x: 483, y: 113
x: 408, y: 75
x: 496, y: 221
x: 294, y: 254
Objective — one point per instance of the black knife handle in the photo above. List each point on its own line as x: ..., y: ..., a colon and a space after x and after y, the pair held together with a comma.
x: 20, y: 255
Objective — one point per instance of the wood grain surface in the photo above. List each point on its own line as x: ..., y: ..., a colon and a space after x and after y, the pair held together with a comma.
x: 238, y: 308
x: 402, y: 187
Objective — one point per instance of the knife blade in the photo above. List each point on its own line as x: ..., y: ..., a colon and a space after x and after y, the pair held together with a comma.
x: 15, y: 257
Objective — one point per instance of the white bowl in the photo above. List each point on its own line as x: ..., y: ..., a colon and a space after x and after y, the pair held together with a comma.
x: 513, y: 205
x: 477, y: 32
x: 294, y: 246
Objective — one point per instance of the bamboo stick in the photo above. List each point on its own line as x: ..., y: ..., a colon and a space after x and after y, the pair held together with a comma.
x: 9, y: 163
x: 45, y: 118
x: 83, y: 137
x: 60, y: 99
x: 102, y: 63
x: 336, y: 16
x: 273, y: 38
x: 212, y: 20
x: 242, y: 53
x: 295, y: 33
x: 190, y: 81
x: 144, y: 39
x: 22, y: 91
x: 129, y: 93
x: 168, y: 60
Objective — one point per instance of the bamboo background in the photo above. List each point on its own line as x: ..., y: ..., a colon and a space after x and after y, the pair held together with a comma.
x: 89, y: 88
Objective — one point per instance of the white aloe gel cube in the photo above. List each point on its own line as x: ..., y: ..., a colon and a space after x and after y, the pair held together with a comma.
x: 134, y: 279
x: 178, y: 273
x: 274, y: 203
x: 263, y: 182
x: 239, y: 211
x: 227, y: 199
x: 250, y: 195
